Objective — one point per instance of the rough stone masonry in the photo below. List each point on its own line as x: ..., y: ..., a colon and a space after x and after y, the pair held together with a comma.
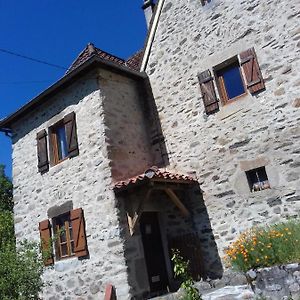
x: 250, y: 132
x: 115, y: 127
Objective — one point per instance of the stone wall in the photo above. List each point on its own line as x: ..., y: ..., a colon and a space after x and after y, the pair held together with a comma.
x: 127, y: 125
x: 276, y: 283
x: 251, y: 132
x: 84, y: 182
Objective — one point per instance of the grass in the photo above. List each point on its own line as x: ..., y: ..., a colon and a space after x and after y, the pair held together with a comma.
x: 266, y: 246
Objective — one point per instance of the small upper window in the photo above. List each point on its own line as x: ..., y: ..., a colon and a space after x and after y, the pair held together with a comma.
x: 258, y: 179
x: 230, y: 82
x: 59, y: 143
x: 64, y: 236
x: 203, y: 2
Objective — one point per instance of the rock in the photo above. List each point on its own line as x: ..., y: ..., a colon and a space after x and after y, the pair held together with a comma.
x: 296, y: 103
x: 279, y: 92
x: 294, y: 288
x: 251, y: 274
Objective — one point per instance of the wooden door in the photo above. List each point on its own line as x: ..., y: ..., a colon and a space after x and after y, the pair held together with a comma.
x: 153, y: 250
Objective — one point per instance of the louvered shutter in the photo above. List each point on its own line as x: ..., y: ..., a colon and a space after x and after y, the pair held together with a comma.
x: 71, y: 134
x: 46, y: 245
x: 254, y: 80
x: 43, y: 162
x: 78, y: 229
x: 209, y: 96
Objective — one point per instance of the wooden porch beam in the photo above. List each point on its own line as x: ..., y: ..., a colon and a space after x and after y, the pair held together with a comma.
x: 177, y: 202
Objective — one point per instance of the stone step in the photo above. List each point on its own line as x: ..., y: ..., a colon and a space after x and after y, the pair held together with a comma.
x: 241, y: 292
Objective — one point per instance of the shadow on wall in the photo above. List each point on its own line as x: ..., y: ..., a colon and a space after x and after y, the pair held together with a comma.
x: 201, y: 225
x: 192, y: 235
x: 159, y: 149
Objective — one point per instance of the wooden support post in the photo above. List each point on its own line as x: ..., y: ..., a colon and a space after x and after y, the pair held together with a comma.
x: 132, y: 221
x: 177, y: 202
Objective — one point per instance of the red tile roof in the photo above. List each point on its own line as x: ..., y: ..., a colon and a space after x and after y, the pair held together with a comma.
x: 134, y: 62
x: 154, y: 173
x: 90, y: 50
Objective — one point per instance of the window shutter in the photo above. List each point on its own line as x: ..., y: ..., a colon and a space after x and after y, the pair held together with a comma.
x: 43, y: 162
x: 254, y: 80
x: 71, y: 134
x: 209, y: 96
x: 45, y: 234
x: 78, y: 227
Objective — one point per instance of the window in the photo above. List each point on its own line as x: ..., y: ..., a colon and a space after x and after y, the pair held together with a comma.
x: 63, y: 143
x: 58, y: 142
x: 203, y: 2
x: 233, y: 79
x: 70, y: 237
x: 258, y: 179
x: 229, y: 81
x: 63, y: 231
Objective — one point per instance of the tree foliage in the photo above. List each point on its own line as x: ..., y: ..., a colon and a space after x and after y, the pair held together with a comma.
x: 6, y: 190
x: 181, y: 271
x: 21, y: 266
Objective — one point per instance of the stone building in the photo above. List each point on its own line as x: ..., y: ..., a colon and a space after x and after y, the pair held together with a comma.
x: 184, y: 145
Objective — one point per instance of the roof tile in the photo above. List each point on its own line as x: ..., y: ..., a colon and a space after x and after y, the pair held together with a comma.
x: 153, y: 173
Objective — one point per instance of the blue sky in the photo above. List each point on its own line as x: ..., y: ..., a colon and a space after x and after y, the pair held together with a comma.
x: 56, y: 31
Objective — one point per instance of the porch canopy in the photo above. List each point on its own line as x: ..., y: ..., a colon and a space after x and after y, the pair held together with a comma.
x: 155, y: 179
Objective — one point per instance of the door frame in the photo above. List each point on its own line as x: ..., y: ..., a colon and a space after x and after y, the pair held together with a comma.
x: 165, y: 253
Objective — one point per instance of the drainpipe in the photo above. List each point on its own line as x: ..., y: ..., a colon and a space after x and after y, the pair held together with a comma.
x: 148, y: 8
x: 152, y: 34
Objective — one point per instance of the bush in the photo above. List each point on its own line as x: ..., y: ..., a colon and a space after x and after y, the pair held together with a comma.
x: 266, y: 246
x: 181, y: 271
x: 20, y: 272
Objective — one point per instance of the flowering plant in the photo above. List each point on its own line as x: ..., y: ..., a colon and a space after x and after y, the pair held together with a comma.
x: 266, y: 246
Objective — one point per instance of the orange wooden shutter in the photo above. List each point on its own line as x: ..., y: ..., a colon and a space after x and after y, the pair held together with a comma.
x: 78, y: 227
x: 45, y: 234
x: 71, y: 134
x: 209, y: 96
x: 254, y: 80
x: 43, y: 162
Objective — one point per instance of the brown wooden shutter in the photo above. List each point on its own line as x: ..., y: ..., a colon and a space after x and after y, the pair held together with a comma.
x: 78, y: 228
x: 45, y: 234
x: 254, y: 80
x: 43, y: 162
x: 71, y: 134
x: 209, y: 96
x: 110, y: 293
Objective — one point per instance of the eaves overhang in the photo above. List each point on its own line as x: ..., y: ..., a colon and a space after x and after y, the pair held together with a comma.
x: 66, y: 81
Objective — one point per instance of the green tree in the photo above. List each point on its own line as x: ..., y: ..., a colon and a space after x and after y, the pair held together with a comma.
x: 21, y: 266
x: 6, y: 190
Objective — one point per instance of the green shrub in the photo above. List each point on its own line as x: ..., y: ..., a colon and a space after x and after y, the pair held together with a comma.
x: 266, y: 246
x: 181, y: 271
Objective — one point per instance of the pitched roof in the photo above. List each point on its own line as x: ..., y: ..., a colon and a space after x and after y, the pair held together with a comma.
x: 90, y: 50
x: 67, y: 80
x: 153, y: 174
x: 134, y: 62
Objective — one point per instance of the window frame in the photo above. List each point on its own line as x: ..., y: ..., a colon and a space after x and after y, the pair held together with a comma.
x: 53, y: 142
x: 56, y: 232
x: 260, y: 183
x: 219, y: 80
